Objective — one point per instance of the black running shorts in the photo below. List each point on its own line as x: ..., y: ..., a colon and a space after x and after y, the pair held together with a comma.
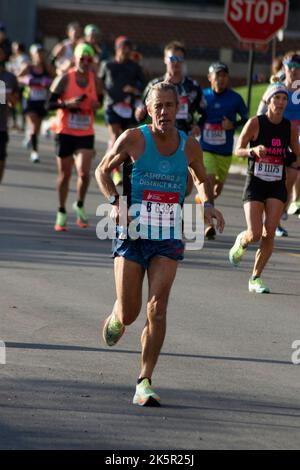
x: 3, y: 145
x: 67, y: 145
x: 258, y: 190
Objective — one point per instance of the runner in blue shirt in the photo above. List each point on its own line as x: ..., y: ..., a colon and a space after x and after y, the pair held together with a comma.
x: 218, y: 126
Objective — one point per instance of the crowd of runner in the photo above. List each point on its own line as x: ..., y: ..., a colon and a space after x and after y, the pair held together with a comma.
x: 190, y: 140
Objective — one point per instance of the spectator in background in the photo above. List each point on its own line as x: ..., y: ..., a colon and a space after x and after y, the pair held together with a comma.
x: 277, y: 70
x: 92, y: 37
x: 189, y: 91
x: 76, y: 96
x: 16, y: 62
x: 291, y: 64
x: 63, y: 52
x: 36, y: 78
x: 123, y: 82
x: 18, y: 58
x: 223, y: 106
x: 191, y: 103
x: 4, y: 41
x: 8, y: 97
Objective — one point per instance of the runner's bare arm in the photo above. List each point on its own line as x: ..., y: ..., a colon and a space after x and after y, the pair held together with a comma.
x: 249, y: 132
x: 124, y: 148
x: 58, y: 50
x: 195, y: 158
x: 22, y: 75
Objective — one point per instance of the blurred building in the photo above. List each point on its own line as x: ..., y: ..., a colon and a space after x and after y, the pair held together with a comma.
x: 150, y: 25
x: 20, y: 19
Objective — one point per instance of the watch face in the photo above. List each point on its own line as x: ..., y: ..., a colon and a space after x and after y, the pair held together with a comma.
x: 113, y: 199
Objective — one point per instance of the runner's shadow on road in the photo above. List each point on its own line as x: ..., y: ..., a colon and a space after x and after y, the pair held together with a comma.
x: 28, y: 236
x: 61, y: 413
x: 284, y: 294
x: 60, y: 347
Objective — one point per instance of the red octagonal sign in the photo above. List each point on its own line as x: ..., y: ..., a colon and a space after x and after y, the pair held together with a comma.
x: 256, y: 20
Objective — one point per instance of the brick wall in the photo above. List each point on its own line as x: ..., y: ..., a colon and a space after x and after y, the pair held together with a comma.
x: 203, y: 38
x: 147, y: 30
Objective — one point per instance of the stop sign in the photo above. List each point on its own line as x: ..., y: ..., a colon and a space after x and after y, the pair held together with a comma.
x: 256, y: 20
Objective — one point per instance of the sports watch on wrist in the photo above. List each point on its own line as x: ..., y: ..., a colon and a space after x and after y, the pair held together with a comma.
x: 252, y: 154
x: 114, y: 200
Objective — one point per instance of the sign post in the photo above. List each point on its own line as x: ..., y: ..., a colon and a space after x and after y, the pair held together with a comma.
x: 249, y: 76
x: 255, y: 22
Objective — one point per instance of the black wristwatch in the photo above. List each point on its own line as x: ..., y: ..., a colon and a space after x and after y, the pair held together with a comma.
x: 251, y: 154
x: 114, y: 200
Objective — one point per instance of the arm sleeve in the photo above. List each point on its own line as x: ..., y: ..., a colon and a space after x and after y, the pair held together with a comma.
x: 102, y: 72
x: 56, y: 91
x: 52, y: 102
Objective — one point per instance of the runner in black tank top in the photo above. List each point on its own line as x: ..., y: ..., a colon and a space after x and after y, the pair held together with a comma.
x: 266, y: 177
x: 273, y: 145
x: 36, y: 78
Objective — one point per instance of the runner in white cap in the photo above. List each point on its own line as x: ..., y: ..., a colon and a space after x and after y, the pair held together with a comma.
x: 273, y: 146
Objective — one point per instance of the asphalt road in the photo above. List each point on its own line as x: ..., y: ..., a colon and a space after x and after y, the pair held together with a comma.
x: 225, y: 374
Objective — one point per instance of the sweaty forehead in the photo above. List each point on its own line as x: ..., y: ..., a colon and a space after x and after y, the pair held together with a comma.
x: 161, y: 96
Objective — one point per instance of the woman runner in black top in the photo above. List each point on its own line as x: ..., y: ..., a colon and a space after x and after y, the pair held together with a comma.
x: 273, y: 145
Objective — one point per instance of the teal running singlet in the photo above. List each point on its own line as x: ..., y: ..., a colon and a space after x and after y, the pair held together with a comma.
x: 158, y: 186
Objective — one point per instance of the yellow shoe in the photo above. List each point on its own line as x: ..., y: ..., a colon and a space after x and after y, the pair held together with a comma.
x: 117, y: 177
x: 113, y: 330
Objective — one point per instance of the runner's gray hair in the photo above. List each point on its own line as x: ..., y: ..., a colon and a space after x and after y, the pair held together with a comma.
x: 162, y: 86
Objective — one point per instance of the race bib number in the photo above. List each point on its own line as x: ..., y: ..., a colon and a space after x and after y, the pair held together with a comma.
x: 269, y: 169
x: 159, y: 209
x: 183, y: 110
x: 123, y: 110
x: 79, y: 121
x: 38, y: 94
x: 214, y: 134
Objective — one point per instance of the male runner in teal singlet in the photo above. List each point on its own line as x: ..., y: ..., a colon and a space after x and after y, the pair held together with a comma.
x: 161, y: 157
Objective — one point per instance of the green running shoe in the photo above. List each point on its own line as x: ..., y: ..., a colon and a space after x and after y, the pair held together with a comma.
x: 258, y: 286
x: 145, y: 395
x: 61, y: 222
x: 237, y: 251
x: 117, y: 177
x: 82, y: 219
x: 113, y: 330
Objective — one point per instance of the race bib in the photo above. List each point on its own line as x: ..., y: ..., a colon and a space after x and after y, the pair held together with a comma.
x: 160, y: 210
x: 38, y: 94
x: 183, y: 110
x: 214, y: 134
x: 123, y: 110
x: 79, y: 121
x: 269, y: 169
